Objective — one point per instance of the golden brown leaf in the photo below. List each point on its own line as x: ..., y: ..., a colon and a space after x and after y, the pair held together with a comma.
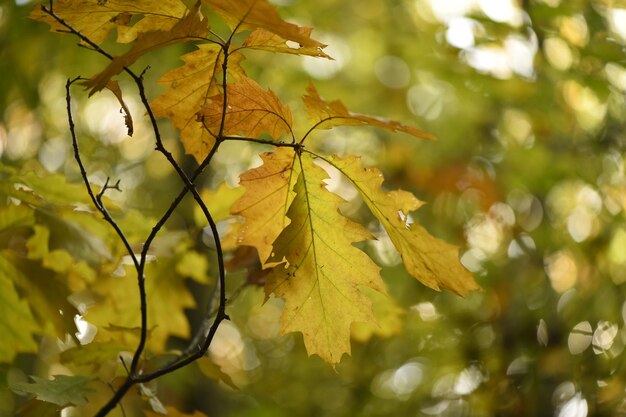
x: 266, y: 200
x: 250, y: 111
x: 190, y: 27
x: 327, y: 114
x: 96, y: 19
x: 432, y: 261
x: 322, y: 282
x: 188, y: 90
x: 255, y: 14
x: 267, y: 41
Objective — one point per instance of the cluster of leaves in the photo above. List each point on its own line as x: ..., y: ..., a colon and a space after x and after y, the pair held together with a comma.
x: 305, y: 244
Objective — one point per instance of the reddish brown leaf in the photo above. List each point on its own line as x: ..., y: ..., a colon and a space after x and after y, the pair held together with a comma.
x: 188, y: 90
x: 327, y: 114
x: 250, y: 111
x: 255, y: 14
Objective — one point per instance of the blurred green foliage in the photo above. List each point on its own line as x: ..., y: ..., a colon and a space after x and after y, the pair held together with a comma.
x: 528, y: 100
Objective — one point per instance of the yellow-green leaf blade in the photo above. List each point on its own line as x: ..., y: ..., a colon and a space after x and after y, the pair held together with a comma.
x: 62, y: 390
x: 117, y: 299
x: 321, y: 281
x: 432, y: 261
x: 18, y: 324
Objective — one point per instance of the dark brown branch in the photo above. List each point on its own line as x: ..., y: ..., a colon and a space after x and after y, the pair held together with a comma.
x: 133, y: 377
x: 263, y: 142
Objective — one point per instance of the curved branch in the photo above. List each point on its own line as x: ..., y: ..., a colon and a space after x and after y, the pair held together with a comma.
x: 96, y: 199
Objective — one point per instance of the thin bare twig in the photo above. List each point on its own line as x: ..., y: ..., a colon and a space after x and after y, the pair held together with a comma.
x: 96, y: 199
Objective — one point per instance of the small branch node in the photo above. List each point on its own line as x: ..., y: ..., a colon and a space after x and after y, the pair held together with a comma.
x: 143, y: 72
x: 124, y: 365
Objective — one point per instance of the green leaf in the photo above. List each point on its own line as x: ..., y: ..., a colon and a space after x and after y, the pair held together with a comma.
x: 13, y: 216
x: 38, y: 243
x: 166, y: 292
x: 17, y: 325
x: 47, y: 293
x: 48, y: 190
x: 89, y: 358
x: 62, y: 390
x: 35, y: 408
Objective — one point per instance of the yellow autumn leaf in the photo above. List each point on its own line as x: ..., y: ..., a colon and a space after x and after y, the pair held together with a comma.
x: 326, y: 114
x: 117, y: 302
x: 432, y: 261
x: 255, y: 14
x: 188, y: 90
x: 18, y: 325
x: 192, y: 26
x: 322, y: 279
x: 266, y: 200
x: 48, y: 292
x: 218, y: 201
x: 389, y: 316
x: 96, y: 19
x: 250, y: 111
x: 265, y: 40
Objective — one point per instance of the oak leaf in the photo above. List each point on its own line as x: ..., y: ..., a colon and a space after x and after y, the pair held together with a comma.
x: 189, y: 88
x: 327, y: 114
x: 250, y: 111
x: 192, y: 26
x: 265, y: 40
x: 323, y: 275
x: 62, y: 390
x: 255, y: 14
x: 47, y: 296
x: 268, y: 194
x: 96, y: 19
x: 166, y: 291
x: 432, y: 261
x: 18, y: 324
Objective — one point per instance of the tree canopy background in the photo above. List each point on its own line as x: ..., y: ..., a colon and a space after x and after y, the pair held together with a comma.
x: 528, y: 102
